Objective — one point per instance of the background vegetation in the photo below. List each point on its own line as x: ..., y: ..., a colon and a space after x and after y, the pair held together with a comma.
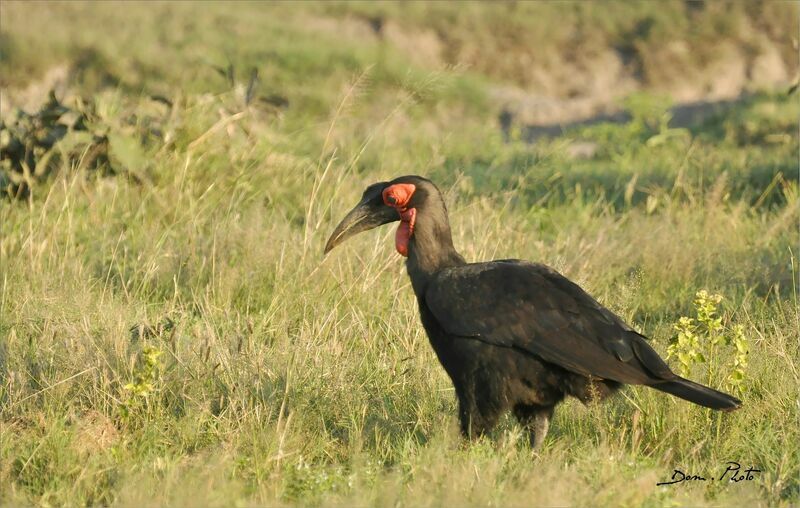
x: 170, y: 333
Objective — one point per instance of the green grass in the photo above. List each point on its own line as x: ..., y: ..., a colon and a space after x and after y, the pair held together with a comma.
x: 287, y: 378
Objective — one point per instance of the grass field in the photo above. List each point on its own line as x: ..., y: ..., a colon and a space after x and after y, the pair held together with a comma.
x: 170, y: 334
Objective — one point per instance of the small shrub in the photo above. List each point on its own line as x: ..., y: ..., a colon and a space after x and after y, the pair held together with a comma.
x: 704, y: 339
x: 145, y: 383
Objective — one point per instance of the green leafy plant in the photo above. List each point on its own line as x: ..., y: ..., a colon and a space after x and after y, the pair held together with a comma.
x: 704, y: 339
x: 742, y: 345
x: 145, y: 381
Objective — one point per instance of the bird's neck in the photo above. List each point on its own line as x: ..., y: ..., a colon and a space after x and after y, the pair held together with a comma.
x: 430, y: 250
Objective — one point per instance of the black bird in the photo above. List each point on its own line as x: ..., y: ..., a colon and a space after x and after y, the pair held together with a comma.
x: 512, y: 335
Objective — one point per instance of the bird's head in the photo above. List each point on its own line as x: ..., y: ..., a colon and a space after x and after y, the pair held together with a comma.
x: 384, y: 202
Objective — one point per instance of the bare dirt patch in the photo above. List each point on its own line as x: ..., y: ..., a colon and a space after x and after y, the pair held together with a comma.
x: 95, y: 433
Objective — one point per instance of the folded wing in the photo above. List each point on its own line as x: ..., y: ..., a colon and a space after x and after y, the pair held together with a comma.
x: 533, y: 308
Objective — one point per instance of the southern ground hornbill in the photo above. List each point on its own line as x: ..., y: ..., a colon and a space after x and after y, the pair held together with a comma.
x: 512, y: 335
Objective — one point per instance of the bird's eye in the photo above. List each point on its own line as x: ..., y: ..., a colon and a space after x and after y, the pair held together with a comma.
x: 398, y: 195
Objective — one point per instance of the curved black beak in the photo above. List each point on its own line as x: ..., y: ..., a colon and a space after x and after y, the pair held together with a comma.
x: 368, y: 214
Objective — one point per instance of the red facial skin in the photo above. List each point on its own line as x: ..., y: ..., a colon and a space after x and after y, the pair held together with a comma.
x: 397, y: 196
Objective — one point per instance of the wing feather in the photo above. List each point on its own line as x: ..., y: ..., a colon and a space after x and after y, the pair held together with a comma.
x: 533, y: 308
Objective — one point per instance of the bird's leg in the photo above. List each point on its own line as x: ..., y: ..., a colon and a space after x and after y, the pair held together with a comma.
x: 536, y: 420
x: 541, y: 423
x: 470, y: 420
x: 474, y: 422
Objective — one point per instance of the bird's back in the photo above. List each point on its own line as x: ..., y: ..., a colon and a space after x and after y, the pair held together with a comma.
x: 533, y: 308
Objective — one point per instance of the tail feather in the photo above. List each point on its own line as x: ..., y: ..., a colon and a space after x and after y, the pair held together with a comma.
x: 699, y: 394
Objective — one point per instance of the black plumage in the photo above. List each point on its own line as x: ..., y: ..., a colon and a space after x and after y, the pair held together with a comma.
x: 512, y: 335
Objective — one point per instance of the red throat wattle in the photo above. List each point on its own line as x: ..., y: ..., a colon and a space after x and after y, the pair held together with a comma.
x: 397, y: 196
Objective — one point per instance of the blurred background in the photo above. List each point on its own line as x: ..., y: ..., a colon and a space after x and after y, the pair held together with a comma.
x: 505, y: 70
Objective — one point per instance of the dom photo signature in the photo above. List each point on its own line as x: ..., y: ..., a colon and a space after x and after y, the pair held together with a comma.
x: 732, y: 473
